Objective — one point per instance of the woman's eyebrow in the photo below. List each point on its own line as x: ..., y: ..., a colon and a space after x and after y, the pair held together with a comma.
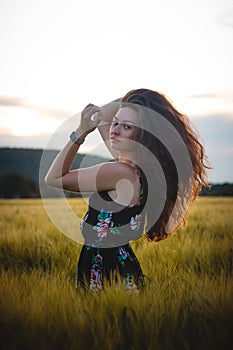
x: 124, y: 121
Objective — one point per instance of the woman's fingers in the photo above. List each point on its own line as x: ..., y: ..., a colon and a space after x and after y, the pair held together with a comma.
x: 89, y: 110
x: 91, y: 116
x: 94, y: 116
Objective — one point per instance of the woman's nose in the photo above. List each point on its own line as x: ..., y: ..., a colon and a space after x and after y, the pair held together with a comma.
x: 116, y: 129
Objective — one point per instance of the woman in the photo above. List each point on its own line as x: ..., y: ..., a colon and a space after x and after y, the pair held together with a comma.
x: 159, y: 170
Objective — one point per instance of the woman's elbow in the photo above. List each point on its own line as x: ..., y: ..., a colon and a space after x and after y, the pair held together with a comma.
x: 50, y: 181
x: 47, y: 180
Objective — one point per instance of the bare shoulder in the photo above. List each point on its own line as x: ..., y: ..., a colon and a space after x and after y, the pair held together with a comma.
x: 100, y: 177
x: 125, y: 181
x: 111, y: 174
x: 118, y: 169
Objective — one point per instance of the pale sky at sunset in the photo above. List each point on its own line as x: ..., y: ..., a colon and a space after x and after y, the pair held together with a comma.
x: 59, y: 55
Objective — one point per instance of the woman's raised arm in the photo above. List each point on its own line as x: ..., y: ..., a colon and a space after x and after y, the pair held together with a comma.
x: 62, y: 164
x: 100, y: 177
x: 108, y: 111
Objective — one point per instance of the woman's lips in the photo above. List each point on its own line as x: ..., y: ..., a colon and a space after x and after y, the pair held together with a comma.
x: 114, y: 139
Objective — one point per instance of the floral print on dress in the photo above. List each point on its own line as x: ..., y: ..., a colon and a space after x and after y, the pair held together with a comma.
x: 123, y: 255
x: 130, y: 286
x: 135, y: 222
x: 96, y: 273
x: 100, y: 256
x: 105, y: 224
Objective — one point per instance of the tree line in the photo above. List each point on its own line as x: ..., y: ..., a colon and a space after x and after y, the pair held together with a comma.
x: 15, y: 185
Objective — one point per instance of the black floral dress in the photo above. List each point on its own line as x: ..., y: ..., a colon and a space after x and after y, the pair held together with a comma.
x: 107, y: 228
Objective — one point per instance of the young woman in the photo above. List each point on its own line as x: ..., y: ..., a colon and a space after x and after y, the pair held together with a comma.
x: 158, y: 170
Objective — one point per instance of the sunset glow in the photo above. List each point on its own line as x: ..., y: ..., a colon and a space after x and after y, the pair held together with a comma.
x: 56, y: 61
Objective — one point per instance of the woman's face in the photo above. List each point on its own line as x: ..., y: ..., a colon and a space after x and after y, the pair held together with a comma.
x: 123, y: 128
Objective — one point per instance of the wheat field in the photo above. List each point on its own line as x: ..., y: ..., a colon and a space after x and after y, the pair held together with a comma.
x: 187, y: 302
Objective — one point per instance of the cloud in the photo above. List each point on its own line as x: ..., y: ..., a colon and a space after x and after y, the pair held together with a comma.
x: 4, y: 130
x: 224, y: 98
x: 35, y: 141
x: 45, y: 112
x: 216, y: 132
x: 51, y: 113
x: 215, y: 127
x: 11, y: 101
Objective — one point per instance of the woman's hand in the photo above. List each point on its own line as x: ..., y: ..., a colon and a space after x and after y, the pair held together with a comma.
x: 90, y: 118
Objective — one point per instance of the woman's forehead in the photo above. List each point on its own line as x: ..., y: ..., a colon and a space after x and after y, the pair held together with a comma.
x: 126, y: 114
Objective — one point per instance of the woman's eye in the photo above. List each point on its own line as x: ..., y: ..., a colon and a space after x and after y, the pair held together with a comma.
x: 127, y: 127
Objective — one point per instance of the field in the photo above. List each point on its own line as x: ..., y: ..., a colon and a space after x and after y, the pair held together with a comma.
x: 187, y: 303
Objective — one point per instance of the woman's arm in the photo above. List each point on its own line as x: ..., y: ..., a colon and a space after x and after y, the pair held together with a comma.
x: 101, y: 177
x: 108, y: 111
x: 64, y: 160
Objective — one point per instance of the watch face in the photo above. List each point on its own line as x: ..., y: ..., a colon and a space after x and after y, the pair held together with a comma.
x: 74, y: 138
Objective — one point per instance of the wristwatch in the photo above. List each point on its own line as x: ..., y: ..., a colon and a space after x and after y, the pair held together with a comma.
x: 75, y: 138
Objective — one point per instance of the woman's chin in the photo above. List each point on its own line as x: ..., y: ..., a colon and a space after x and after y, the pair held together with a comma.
x: 114, y: 144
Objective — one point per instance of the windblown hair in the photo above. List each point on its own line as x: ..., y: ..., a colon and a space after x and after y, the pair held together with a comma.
x: 169, y: 137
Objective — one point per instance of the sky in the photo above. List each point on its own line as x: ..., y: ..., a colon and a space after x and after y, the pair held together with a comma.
x: 59, y: 55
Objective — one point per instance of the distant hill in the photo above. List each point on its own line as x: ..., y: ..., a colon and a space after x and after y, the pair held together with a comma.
x: 26, y: 162
x: 21, y: 168
x: 31, y: 164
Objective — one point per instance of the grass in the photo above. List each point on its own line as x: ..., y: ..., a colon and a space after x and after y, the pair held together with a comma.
x: 187, y: 303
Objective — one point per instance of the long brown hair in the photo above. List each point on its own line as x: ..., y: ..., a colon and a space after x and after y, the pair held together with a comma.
x: 180, y: 190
